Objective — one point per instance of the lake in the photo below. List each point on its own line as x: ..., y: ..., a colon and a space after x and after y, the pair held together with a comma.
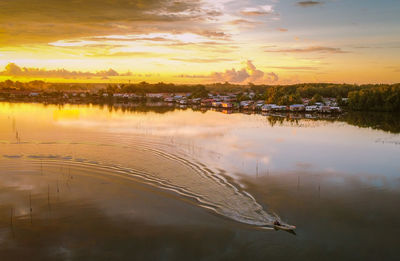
x: 102, y: 182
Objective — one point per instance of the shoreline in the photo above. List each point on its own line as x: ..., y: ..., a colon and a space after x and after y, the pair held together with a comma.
x: 364, y: 119
x: 153, y: 103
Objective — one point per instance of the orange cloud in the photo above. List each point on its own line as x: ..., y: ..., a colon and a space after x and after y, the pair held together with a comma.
x: 25, y: 22
x: 14, y: 70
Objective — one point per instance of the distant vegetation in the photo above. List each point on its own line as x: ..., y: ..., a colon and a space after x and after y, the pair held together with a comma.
x: 37, y: 85
x: 360, y: 97
x: 382, y: 97
x: 198, y: 91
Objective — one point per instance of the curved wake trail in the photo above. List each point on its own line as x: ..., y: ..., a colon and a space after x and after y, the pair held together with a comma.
x: 150, y: 163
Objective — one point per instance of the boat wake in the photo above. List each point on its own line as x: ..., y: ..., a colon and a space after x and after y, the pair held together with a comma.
x: 151, y: 166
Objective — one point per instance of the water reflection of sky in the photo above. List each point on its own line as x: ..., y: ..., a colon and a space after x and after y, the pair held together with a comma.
x: 336, y: 182
x: 237, y: 143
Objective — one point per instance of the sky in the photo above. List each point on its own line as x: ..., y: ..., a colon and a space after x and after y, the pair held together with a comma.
x: 201, y: 41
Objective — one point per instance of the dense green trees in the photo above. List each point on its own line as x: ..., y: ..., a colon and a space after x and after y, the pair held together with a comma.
x: 45, y: 86
x: 144, y: 87
x: 316, y: 98
x: 382, y: 98
x: 199, y: 91
x: 316, y: 91
x: 360, y: 97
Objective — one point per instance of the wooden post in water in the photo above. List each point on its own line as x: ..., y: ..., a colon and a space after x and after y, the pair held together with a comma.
x: 11, y: 216
x: 58, y: 190
x: 319, y: 190
x: 257, y: 168
x: 48, y: 196
x: 11, y: 222
x: 30, y: 205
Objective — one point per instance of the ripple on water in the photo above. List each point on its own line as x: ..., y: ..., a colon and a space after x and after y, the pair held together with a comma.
x: 208, y: 189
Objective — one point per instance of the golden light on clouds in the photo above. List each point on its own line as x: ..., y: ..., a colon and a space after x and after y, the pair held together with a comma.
x: 199, y: 41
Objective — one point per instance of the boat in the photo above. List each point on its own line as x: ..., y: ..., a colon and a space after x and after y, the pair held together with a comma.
x: 284, y: 227
x: 279, y: 226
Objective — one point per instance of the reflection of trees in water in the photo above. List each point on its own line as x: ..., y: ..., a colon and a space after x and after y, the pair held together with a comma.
x: 389, y: 122
x: 139, y: 107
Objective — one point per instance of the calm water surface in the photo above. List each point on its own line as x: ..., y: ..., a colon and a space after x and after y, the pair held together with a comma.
x: 80, y: 182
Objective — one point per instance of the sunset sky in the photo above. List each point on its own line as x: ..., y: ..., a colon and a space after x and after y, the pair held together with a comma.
x: 202, y: 41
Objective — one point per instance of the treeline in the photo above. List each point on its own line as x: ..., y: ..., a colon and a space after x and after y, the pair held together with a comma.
x: 38, y: 85
x: 369, y: 97
x: 143, y: 87
x: 22, y: 86
x: 309, y: 90
x: 382, y: 98
x: 290, y: 94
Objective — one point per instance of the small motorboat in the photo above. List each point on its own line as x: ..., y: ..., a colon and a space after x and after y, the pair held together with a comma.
x: 284, y: 227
